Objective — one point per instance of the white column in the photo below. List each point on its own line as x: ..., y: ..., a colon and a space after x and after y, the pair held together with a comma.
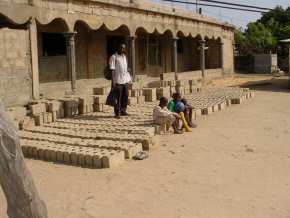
x: 34, y: 58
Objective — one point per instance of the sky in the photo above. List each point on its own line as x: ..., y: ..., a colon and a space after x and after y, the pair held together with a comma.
x: 238, y: 18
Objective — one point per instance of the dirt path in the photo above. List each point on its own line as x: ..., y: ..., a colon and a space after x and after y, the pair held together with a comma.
x: 234, y: 165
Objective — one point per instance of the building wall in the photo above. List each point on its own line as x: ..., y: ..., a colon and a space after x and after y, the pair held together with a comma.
x: 98, y: 58
x: 228, y: 56
x: 15, y: 73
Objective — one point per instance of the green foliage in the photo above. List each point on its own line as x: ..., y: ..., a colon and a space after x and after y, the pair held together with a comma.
x: 263, y: 35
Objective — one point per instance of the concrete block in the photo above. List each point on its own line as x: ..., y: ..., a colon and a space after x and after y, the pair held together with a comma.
x: 39, y: 119
x: 215, y: 108
x: 163, y: 92
x: 102, y: 90
x: 37, y: 108
x: 150, y: 94
x: 206, y: 111
x: 132, y: 101
x: 221, y: 106
x: 100, y: 99
x: 141, y: 99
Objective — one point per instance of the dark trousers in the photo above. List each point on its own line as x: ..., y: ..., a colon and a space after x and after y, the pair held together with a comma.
x: 122, y: 94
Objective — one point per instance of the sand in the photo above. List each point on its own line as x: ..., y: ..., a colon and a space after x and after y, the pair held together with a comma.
x: 234, y: 165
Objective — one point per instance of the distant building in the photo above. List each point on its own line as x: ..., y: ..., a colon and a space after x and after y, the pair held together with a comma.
x: 52, y: 47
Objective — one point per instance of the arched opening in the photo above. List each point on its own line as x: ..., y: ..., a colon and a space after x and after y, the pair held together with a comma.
x: 52, y: 51
x: 213, y: 53
x: 94, y: 48
x: 153, y: 52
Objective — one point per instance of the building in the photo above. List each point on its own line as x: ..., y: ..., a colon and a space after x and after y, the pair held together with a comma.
x: 50, y: 48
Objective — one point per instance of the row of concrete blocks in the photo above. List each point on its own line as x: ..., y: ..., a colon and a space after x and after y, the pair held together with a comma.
x: 109, y: 128
x: 228, y: 102
x: 130, y: 148
x: 73, y: 155
x: 146, y: 140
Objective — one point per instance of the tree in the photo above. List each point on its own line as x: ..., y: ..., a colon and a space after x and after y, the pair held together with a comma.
x: 263, y: 35
x: 22, y: 197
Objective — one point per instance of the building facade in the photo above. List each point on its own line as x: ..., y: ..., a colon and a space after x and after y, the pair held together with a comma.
x: 50, y: 48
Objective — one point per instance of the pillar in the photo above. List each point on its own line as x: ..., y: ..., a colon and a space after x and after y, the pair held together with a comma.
x: 175, y: 66
x: 222, y: 56
x: 132, y: 55
x: 202, y: 57
x: 34, y: 58
x: 71, y: 60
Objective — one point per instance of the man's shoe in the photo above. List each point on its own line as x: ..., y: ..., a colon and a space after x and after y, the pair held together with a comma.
x: 117, y: 116
x: 124, y: 114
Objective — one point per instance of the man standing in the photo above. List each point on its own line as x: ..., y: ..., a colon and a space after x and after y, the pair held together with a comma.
x: 120, y: 80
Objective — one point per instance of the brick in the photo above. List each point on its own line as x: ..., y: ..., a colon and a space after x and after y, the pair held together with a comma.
x: 150, y: 94
x: 38, y: 119
x: 207, y: 111
x: 37, y: 108
x: 221, y: 106
x: 163, y: 92
x: 132, y: 101
x: 215, y: 108
x: 102, y: 90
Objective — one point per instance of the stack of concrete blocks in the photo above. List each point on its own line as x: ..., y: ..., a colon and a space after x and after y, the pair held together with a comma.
x: 56, y: 108
x: 19, y: 118
x: 39, y: 113
x: 171, y: 84
x: 193, y: 86
x: 86, y: 104
x: 138, y: 94
x: 71, y: 107
x: 163, y: 92
x: 181, y: 87
x: 100, y: 103
x: 150, y: 94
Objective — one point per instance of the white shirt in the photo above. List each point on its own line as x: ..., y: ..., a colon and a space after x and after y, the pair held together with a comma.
x: 159, y: 112
x: 118, y: 63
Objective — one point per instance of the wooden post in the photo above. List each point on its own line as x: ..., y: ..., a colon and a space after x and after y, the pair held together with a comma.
x: 22, y: 197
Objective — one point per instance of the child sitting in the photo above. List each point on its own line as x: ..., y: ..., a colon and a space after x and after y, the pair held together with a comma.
x: 161, y: 115
x: 188, y: 113
x: 187, y: 109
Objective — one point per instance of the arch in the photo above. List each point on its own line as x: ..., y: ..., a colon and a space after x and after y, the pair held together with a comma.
x: 7, y: 22
x: 180, y: 34
x: 140, y: 31
x: 56, y: 25
x: 81, y: 23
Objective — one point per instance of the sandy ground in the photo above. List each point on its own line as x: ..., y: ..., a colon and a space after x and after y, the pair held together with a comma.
x: 234, y: 165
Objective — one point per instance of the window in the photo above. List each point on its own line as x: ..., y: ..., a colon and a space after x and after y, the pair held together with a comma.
x: 53, y: 44
x: 154, y: 50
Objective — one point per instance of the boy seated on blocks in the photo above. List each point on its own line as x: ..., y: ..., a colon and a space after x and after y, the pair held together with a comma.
x: 161, y: 115
x: 176, y: 98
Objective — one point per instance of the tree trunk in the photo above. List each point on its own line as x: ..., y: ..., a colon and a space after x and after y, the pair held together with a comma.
x: 22, y: 197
